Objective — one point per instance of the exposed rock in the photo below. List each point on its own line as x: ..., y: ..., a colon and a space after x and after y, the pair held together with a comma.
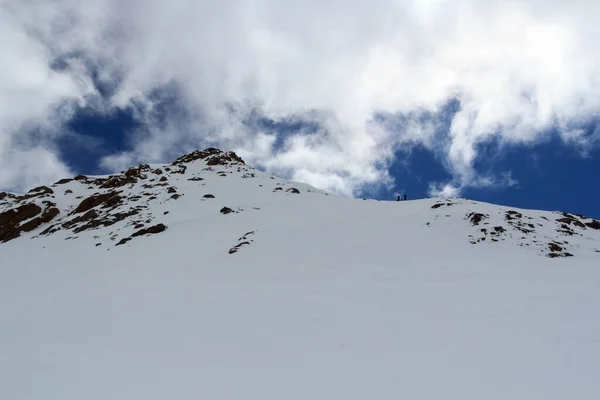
x: 91, y: 214
x: 51, y: 229
x: 438, y: 205
x: 138, y: 172
x: 171, y: 190
x: 235, y: 248
x: 226, y: 210
x: 68, y: 191
x: 570, y: 220
x: 94, y: 220
x: 277, y: 188
x: 476, y: 218
x: 246, y: 235
x: 42, y: 190
x: 63, y: 181
x: 196, y: 178
x: 81, y: 178
x: 212, y: 156
x: 10, y: 220
x: 115, y: 181
x: 19, y: 214
x: 163, y: 179
x: 293, y: 190
x: 9, y: 232
x: 110, y: 198
x: 499, y: 229
x: 595, y: 224
x: 209, y: 196
x: 47, y: 216
x: 151, y: 230
x: 555, y: 247
x: 511, y: 215
x: 123, y: 241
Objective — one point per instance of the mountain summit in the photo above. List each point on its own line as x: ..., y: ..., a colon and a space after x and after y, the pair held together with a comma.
x: 115, y: 209
x: 207, y: 278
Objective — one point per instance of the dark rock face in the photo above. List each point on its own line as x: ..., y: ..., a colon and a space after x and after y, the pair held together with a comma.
x: 212, y: 156
x: 226, y: 210
x: 63, y: 181
x: 557, y: 251
x: 116, y: 181
x: 88, y: 216
x: 48, y: 215
x: 20, y: 214
x: 438, y: 205
x: 293, y: 190
x: 138, y: 172
x: 243, y: 241
x: 42, y: 190
x: 109, y: 199
x: 595, y: 224
x: 235, y: 248
x: 11, y: 219
x: 146, y: 231
x: 209, y: 196
x: 476, y: 218
x: 568, y: 220
x: 151, y: 230
x: 510, y: 215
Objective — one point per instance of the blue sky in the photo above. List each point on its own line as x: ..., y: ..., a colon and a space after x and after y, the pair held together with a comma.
x: 549, y: 175
x: 491, y: 100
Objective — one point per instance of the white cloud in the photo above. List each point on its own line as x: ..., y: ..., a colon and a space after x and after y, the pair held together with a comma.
x: 518, y: 69
x: 444, y: 190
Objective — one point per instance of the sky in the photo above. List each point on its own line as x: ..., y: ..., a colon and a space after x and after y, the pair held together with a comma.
x: 491, y: 100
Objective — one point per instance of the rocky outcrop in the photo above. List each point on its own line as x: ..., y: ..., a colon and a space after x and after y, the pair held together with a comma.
x: 10, y: 220
x: 109, y: 199
x: 149, y: 231
x: 47, y: 216
x: 212, y: 156
x: 146, y: 231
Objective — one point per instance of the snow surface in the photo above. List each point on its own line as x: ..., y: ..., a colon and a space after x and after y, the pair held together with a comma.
x: 332, y: 298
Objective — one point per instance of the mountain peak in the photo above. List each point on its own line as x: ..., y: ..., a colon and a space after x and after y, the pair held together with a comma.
x: 207, y: 274
x: 211, y: 156
x: 147, y: 199
x: 133, y: 203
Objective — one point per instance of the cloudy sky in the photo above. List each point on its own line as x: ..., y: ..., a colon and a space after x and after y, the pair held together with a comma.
x: 493, y: 100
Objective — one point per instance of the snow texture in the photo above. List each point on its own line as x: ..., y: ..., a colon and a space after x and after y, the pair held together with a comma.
x: 271, y: 289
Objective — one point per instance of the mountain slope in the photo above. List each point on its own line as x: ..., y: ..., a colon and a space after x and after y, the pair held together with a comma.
x: 210, y: 279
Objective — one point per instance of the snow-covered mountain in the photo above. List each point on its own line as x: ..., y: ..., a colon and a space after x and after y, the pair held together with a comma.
x: 206, y: 278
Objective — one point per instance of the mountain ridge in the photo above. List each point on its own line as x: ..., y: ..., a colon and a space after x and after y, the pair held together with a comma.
x: 224, y: 282
x: 125, y: 201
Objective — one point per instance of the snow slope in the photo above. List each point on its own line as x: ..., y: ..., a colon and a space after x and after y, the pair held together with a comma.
x: 291, y: 295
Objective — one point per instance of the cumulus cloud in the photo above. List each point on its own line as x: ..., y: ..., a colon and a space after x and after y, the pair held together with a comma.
x: 194, y: 71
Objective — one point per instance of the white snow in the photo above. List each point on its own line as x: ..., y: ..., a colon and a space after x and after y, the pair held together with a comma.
x: 333, y: 298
